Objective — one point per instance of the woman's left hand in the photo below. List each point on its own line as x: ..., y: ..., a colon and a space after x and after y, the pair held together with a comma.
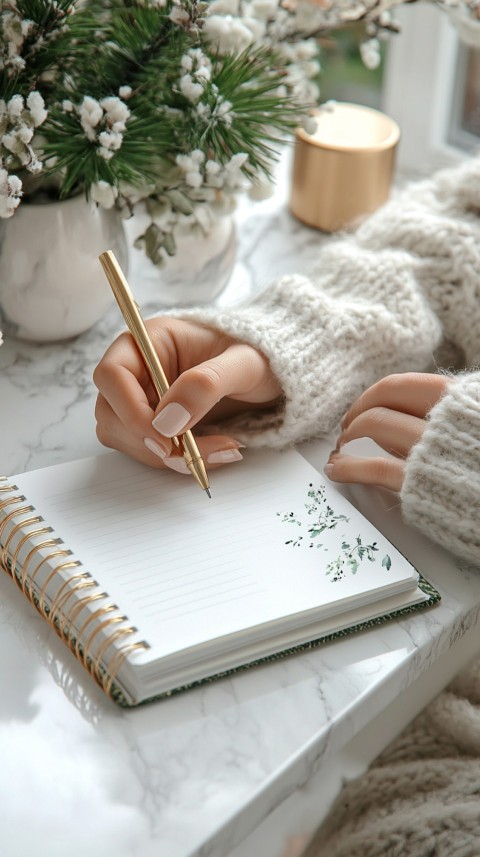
x: 393, y: 414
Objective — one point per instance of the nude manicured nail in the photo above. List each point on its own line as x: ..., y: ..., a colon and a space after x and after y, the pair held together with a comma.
x: 176, y: 463
x: 328, y: 468
x: 155, y: 447
x: 172, y: 420
x: 224, y: 456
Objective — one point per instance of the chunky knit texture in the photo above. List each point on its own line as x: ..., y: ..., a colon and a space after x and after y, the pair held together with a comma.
x: 421, y: 797
x: 441, y: 491
x: 382, y: 300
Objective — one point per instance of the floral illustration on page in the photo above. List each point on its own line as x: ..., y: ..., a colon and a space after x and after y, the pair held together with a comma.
x: 321, y: 517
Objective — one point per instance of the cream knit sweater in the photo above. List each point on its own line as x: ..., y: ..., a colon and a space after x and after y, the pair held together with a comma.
x: 382, y: 300
x: 420, y: 798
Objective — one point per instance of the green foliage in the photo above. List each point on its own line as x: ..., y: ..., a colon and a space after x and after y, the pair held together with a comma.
x: 52, y: 45
x: 352, y: 553
x: 93, y: 51
x: 324, y: 516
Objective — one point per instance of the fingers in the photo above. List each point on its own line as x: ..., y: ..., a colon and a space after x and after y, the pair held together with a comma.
x: 122, y: 380
x: 413, y: 393
x: 239, y: 372
x: 156, y: 451
x: 394, y: 431
x: 392, y: 413
x: 385, y: 472
x: 216, y: 451
x: 127, y: 434
x: 209, y: 373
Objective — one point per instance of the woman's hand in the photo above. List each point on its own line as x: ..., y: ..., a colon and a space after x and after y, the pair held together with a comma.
x: 211, y: 376
x: 392, y: 413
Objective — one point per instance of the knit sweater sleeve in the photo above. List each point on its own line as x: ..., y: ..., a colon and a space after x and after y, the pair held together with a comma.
x: 379, y: 301
x: 441, y: 489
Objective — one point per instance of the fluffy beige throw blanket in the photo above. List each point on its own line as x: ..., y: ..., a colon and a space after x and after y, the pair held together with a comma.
x: 421, y: 797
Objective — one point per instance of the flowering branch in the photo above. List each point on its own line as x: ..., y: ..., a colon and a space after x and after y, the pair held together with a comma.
x: 171, y: 103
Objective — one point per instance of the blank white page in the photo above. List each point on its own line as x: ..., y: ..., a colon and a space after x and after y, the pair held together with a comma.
x: 272, y: 543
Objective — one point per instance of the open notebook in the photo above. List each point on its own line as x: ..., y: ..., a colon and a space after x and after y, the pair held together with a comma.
x: 155, y: 588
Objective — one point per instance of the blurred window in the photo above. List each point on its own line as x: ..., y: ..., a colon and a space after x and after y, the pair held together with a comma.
x: 344, y: 76
x: 464, y: 130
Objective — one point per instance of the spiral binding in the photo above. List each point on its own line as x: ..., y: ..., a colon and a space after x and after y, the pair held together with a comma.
x: 84, y: 642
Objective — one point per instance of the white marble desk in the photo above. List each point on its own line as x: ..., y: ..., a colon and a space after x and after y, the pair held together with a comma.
x: 230, y: 769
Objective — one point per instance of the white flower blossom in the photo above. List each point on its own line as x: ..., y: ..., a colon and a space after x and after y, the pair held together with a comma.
x: 10, y: 193
x: 105, y: 153
x: 212, y: 168
x: 36, y: 106
x: 14, y: 33
x: 110, y: 140
x: 204, y: 72
x: 117, y: 113
x: 237, y: 161
x: 306, y: 49
x: 91, y: 114
x: 35, y: 165
x: 186, y: 62
x: 227, y: 34
x: 15, y: 107
x: 191, y: 90
x: 125, y: 92
x: 310, y: 124
x: 370, y: 53
x: 233, y: 170
x: 198, y: 71
x: 104, y: 122
x: 185, y: 162
x: 104, y: 194
x: 12, y: 142
x: 194, y: 178
x: 25, y: 134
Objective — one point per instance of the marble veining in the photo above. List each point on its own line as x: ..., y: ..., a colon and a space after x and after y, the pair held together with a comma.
x: 195, y: 774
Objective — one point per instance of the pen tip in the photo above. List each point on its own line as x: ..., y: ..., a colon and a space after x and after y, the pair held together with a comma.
x: 208, y: 493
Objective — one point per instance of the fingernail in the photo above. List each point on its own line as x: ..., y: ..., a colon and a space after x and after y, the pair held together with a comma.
x: 328, y: 468
x: 176, y: 463
x: 171, y: 420
x: 224, y: 456
x: 155, y: 447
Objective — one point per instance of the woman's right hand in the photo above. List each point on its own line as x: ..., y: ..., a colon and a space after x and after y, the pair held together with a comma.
x: 211, y: 376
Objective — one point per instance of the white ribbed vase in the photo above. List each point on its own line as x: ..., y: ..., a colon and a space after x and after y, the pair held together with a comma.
x: 52, y: 286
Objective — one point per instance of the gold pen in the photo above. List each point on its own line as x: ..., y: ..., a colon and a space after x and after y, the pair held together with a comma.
x: 131, y: 313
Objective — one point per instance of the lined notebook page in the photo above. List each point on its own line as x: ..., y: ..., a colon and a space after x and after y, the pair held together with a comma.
x: 186, y: 569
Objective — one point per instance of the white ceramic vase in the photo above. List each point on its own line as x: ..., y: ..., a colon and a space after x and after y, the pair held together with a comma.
x: 201, y: 267
x: 52, y: 286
